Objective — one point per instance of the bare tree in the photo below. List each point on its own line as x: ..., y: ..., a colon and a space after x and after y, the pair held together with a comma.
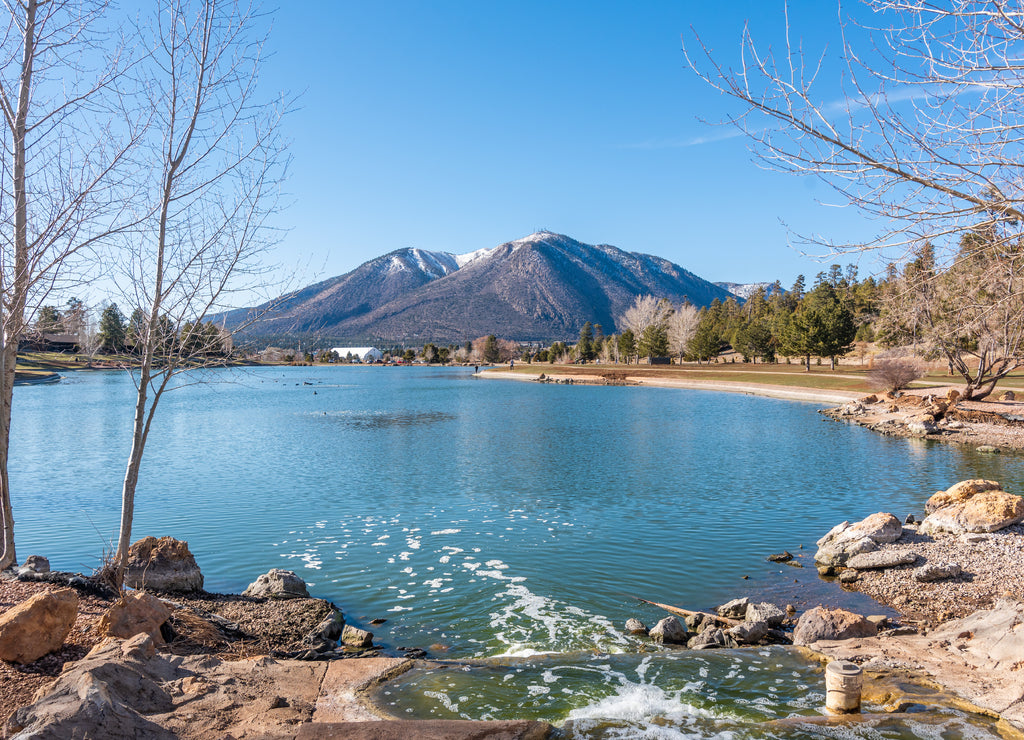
x: 928, y: 136
x: 61, y: 186
x: 646, y: 311
x: 682, y: 325
x: 216, y: 164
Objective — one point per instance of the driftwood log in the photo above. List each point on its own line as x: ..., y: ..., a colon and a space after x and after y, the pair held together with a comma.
x: 680, y: 612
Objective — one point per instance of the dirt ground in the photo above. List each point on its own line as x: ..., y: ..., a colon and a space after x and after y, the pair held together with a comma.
x: 249, y: 626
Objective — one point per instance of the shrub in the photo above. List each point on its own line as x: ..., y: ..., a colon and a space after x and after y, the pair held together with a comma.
x: 894, y: 373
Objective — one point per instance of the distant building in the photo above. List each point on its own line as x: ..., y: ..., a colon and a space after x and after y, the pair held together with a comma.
x: 362, y: 354
x: 50, y: 343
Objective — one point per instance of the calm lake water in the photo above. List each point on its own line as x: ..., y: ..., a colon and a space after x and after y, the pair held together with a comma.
x: 503, y: 522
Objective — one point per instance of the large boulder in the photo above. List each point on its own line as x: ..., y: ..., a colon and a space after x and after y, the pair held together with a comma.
x: 163, y: 564
x: 959, y: 493
x: 136, y: 613
x: 822, y: 623
x: 278, y: 584
x: 37, y: 626
x: 845, y: 540
x: 670, y: 631
x: 987, y: 511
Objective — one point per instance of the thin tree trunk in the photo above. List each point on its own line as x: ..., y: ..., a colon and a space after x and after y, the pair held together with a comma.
x: 9, y: 357
x: 18, y: 280
x: 131, y: 478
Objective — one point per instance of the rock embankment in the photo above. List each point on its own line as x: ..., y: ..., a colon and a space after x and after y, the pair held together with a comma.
x: 964, y: 556
x: 988, y: 425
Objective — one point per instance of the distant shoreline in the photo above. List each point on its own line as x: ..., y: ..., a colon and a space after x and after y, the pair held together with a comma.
x: 788, y: 393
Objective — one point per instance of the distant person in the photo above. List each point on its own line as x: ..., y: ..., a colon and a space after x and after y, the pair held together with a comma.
x: 476, y: 369
x: 511, y: 364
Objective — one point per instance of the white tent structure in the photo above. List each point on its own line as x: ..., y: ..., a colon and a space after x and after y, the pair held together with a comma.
x: 363, y: 354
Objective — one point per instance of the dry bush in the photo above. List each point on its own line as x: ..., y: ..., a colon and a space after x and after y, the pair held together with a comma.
x: 895, y: 373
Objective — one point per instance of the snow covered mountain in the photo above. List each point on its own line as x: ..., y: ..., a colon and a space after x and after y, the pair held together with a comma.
x: 542, y: 287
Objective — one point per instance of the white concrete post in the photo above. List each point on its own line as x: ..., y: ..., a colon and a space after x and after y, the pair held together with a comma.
x: 843, y: 681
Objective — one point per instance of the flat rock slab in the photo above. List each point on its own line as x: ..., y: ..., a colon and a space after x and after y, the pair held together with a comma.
x: 978, y: 657
x: 880, y: 559
x: 428, y: 729
x: 339, y: 699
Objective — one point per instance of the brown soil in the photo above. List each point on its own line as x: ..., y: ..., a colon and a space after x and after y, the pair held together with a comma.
x: 259, y: 626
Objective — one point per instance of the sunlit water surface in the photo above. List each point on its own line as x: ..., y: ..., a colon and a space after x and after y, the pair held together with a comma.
x: 493, y: 520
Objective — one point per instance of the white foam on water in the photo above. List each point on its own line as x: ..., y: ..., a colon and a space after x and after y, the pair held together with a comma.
x: 639, y: 702
x: 447, y: 531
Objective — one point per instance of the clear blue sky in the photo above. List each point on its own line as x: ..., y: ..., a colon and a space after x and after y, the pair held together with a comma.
x: 455, y: 126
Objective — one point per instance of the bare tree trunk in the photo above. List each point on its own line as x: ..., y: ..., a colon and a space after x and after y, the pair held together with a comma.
x: 131, y: 479
x: 8, y: 357
x: 19, y: 284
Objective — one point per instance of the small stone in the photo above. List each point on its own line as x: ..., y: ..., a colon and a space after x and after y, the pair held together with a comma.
x: 910, y: 519
x: 988, y: 450
x: 278, y: 584
x: 328, y: 629
x: 937, y: 572
x: 670, y: 631
x: 735, y: 609
x: 37, y: 564
x: 765, y: 612
x: 782, y: 557
x: 850, y: 575
x: 1008, y: 396
x: 635, y: 627
x: 881, y: 559
x: 749, y: 632
x: 357, y: 637
x: 879, y: 620
x: 712, y: 638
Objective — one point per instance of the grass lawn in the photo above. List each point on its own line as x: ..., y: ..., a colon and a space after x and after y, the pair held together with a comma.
x: 848, y: 378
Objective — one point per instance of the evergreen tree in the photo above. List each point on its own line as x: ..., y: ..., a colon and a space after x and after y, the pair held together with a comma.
x: 707, y: 341
x: 627, y: 345
x: 585, y: 348
x: 653, y: 341
x: 491, y: 353
x: 48, y: 321
x: 112, y: 330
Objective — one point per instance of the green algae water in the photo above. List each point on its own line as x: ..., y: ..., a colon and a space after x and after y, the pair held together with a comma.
x: 493, y: 523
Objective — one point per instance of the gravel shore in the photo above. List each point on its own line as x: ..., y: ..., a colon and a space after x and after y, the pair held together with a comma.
x: 993, y: 568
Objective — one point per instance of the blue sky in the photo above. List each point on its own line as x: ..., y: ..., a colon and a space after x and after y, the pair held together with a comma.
x: 454, y: 126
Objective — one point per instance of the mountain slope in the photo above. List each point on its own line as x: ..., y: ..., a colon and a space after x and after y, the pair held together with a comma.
x: 543, y: 287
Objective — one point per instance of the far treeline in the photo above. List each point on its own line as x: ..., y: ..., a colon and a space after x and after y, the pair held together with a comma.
x: 967, y: 313
x: 119, y: 335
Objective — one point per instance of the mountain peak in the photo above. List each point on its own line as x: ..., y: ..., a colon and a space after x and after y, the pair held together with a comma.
x: 417, y: 295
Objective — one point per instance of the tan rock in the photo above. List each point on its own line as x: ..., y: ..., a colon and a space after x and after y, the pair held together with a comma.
x: 988, y: 511
x: 907, y: 400
x: 952, y: 395
x: 822, y: 623
x: 163, y: 564
x: 870, y: 399
x: 136, y: 613
x: 1008, y: 396
x: 959, y: 493
x: 37, y: 626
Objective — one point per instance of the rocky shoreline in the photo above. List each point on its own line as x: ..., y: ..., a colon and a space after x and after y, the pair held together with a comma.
x: 275, y: 663
x: 939, y: 414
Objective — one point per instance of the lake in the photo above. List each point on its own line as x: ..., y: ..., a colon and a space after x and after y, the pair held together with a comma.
x: 484, y: 519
